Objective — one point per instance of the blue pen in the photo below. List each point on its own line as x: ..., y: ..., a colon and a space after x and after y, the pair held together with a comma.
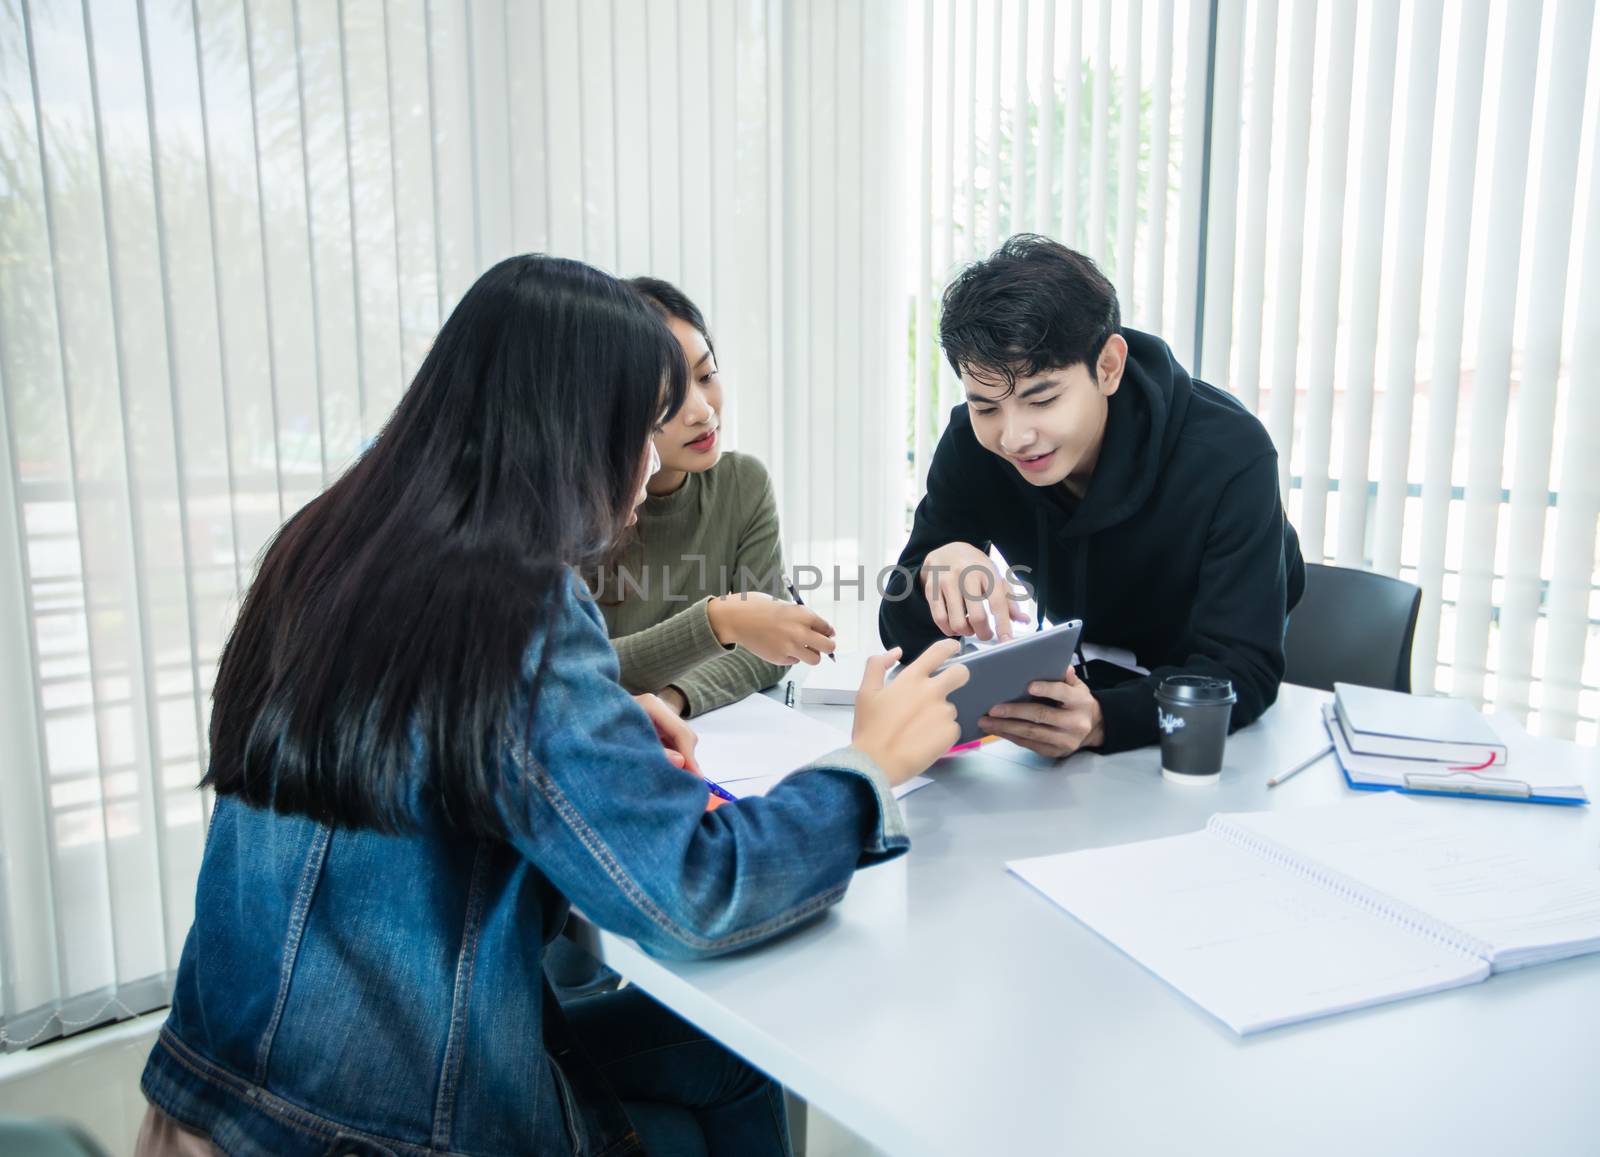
x: 676, y: 759
x: 721, y: 792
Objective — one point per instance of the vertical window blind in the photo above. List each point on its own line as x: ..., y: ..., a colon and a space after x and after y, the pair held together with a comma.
x: 1426, y: 175
x: 229, y: 230
x: 1374, y: 223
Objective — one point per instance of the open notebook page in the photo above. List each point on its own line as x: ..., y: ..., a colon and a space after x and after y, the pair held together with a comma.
x: 757, y: 737
x: 1254, y: 943
x: 752, y: 744
x: 1524, y: 906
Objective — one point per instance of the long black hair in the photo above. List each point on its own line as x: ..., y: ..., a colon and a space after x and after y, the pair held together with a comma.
x: 395, y: 608
x: 673, y: 303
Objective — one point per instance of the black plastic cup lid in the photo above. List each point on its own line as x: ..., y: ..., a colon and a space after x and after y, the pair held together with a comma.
x: 1195, y: 689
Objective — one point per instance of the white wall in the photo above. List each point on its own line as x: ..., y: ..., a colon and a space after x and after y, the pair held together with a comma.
x: 92, y: 1080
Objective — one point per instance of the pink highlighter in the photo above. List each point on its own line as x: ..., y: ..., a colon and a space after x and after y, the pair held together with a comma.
x: 972, y: 744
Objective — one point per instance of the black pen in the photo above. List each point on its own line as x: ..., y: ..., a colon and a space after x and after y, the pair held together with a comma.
x: 800, y: 602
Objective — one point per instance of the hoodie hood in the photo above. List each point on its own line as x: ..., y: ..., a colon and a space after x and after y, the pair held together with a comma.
x: 1178, y: 551
x: 1143, y: 420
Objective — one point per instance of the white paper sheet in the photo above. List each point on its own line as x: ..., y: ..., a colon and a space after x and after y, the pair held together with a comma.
x: 752, y: 744
x: 758, y: 737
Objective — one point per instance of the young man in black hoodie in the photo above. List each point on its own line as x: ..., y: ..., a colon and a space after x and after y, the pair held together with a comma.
x: 1119, y: 489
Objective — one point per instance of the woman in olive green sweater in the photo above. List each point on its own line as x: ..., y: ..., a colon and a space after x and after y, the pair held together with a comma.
x: 696, y: 603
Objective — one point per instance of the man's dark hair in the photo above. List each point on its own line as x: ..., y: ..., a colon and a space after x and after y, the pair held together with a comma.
x: 1031, y: 305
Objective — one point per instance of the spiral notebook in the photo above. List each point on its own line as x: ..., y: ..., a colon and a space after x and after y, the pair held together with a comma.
x: 1270, y: 918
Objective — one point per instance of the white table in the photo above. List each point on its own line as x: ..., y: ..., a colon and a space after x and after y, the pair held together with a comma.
x: 946, y: 1008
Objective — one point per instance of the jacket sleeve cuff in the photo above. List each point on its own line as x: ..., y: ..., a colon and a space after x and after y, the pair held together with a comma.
x: 726, y: 679
x: 656, y: 656
x: 1128, y: 715
x: 887, y: 837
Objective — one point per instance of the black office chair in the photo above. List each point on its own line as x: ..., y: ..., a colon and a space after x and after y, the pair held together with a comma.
x: 1352, y: 626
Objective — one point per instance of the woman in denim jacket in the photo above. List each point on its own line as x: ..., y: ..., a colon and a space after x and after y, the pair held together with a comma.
x: 422, y: 756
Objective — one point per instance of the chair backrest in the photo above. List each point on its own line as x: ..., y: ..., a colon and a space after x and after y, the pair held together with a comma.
x: 1352, y: 626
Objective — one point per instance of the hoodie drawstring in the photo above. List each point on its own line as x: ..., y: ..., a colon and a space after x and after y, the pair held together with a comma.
x: 1041, y: 532
x: 1079, y: 591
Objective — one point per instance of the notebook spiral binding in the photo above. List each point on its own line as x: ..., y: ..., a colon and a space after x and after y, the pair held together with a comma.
x: 1353, y: 890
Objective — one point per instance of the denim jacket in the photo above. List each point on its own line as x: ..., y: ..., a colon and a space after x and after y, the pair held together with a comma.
x: 348, y: 992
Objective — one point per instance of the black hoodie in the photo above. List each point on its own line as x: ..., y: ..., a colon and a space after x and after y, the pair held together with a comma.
x: 1179, y: 551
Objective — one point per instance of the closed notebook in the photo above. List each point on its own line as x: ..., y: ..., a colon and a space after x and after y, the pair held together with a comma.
x: 1546, y: 771
x: 1270, y: 918
x: 835, y: 684
x: 1426, y: 727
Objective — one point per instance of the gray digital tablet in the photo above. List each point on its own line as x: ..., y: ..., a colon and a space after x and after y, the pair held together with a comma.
x: 1001, y: 672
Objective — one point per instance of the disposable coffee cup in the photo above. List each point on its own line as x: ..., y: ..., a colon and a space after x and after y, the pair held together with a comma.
x: 1192, y: 712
